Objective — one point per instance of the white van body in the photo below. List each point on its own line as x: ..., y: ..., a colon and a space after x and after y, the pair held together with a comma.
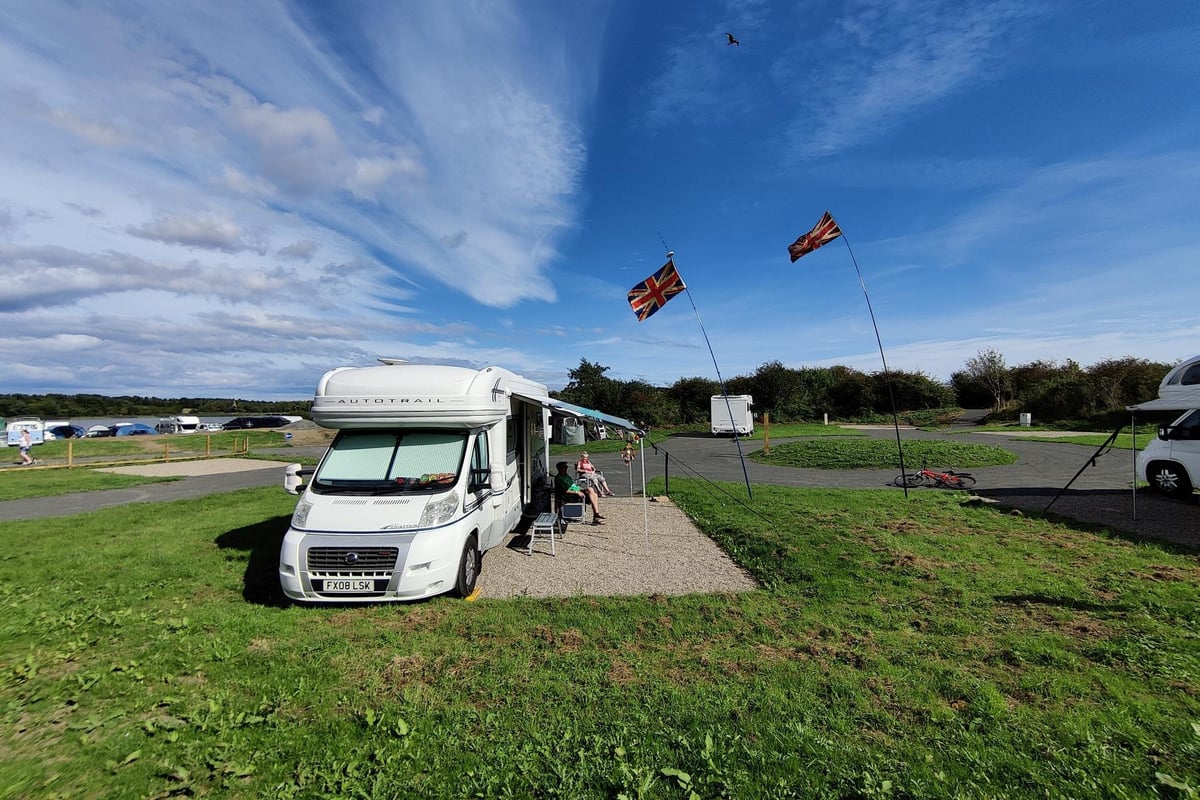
x: 431, y: 467
x: 35, y: 426
x: 180, y: 423
x: 1171, y: 463
x: 742, y: 420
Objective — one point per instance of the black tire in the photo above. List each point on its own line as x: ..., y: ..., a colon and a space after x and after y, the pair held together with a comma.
x: 910, y: 479
x: 468, y: 568
x: 961, y: 481
x: 1169, y: 478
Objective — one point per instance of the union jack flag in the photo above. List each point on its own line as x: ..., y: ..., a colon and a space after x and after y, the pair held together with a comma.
x: 824, y: 232
x: 653, y: 293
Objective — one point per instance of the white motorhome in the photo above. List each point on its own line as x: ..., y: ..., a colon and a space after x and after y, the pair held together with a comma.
x: 431, y: 467
x: 741, y: 420
x: 1171, y: 463
x: 180, y: 423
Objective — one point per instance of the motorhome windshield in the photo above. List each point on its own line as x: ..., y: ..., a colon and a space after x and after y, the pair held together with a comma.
x: 387, y: 461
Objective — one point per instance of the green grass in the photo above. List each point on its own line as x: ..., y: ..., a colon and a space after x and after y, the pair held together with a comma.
x: 901, y: 648
x: 1124, y: 441
x: 659, y: 436
x: 881, y: 454
x: 21, y: 484
x: 116, y: 447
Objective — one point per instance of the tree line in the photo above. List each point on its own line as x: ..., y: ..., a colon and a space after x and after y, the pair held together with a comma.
x: 98, y: 406
x: 1052, y: 392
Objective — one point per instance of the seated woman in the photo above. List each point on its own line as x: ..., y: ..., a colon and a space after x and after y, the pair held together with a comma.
x: 564, y: 485
x: 587, y: 470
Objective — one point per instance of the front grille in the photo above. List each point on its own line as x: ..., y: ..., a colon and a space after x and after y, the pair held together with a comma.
x: 333, y: 560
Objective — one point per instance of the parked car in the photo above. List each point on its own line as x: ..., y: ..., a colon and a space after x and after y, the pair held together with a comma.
x: 132, y: 429
x: 246, y: 423
x: 64, y: 432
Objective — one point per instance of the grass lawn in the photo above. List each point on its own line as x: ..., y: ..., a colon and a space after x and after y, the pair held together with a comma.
x: 881, y: 454
x: 900, y: 648
x: 20, y: 484
x: 664, y: 435
x: 1124, y: 441
x: 117, y: 447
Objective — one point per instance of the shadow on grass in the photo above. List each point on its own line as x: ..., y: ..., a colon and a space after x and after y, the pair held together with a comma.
x: 260, y: 583
x: 1170, y: 523
x: 1072, y: 603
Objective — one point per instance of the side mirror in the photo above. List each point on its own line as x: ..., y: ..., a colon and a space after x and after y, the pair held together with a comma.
x: 293, y: 478
x: 480, y: 479
x: 497, y: 481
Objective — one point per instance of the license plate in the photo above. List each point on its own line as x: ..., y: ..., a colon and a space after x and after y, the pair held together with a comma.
x: 348, y: 585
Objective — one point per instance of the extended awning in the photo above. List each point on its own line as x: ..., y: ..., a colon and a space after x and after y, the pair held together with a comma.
x: 563, y: 409
x: 1178, y: 401
x: 567, y: 409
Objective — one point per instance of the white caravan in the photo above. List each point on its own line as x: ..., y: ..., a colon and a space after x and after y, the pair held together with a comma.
x: 742, y: 419
x: 180, y: 423
x: 431, y: 467
x: 1171, y: 463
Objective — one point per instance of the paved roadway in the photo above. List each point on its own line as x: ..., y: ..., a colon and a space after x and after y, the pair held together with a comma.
x: 1101, y: 495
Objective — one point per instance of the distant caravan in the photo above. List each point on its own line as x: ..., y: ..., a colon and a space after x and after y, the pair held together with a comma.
x: 741, y: 419
x: 181, y: 423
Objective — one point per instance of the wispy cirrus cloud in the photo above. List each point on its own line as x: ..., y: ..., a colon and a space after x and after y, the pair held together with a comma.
x: 880, y: 63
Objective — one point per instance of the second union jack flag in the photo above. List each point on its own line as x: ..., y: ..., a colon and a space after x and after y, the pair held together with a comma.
x: 653, y: 293
x: 824, y: 232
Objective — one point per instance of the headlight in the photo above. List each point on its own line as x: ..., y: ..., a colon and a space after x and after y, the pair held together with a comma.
x: 439, y: 511
x: 300, y: 515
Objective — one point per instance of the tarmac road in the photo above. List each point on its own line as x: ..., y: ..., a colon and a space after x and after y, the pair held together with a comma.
x: 1101, y: 495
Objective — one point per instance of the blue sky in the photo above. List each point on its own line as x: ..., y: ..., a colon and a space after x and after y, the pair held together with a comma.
x: 228, y: 199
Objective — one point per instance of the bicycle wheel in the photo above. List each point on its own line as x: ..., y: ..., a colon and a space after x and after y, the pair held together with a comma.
x: 959, y: 480
x: 911, y: 479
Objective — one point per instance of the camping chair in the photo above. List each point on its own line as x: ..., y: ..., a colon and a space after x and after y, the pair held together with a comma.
x: 570, y: 508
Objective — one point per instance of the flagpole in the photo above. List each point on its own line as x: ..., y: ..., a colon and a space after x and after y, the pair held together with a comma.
x: 737, y: 440
x: 886, y: 375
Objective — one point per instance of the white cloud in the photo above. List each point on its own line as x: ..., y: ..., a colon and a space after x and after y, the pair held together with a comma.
x: 882, y: 63
x: 205, y: 231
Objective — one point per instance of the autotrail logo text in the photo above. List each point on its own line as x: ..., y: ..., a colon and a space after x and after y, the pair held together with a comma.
x: 380, y: 401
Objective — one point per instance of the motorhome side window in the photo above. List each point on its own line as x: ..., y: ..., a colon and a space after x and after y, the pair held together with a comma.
x: 1189, y: 426
x: 375, y: 462
x: 479, y: 456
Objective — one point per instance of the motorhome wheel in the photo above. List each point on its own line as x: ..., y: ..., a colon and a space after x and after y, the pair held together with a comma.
x: 468, y: 568
x: 1169, y: 478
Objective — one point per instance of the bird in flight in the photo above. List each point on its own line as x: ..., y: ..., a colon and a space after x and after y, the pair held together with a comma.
x: 732, y: 41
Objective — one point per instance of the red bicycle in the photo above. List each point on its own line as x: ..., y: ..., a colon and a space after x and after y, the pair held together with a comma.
x: 936, y: 480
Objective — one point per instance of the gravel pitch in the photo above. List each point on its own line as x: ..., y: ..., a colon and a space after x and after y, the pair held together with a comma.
x: 641, y: 549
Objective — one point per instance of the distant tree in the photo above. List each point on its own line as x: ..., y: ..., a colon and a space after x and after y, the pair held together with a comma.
x: 852, y: 393
x: 913, y: 391
x: 968, y: 392
x: 692, y: 397
x: 1026, y: 378
x: 1065, y: 396
x: 649, y: 405
x: 591, y: 388
x: 987, y: 369
x: 772, y: 386
x: 1122, y: 382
